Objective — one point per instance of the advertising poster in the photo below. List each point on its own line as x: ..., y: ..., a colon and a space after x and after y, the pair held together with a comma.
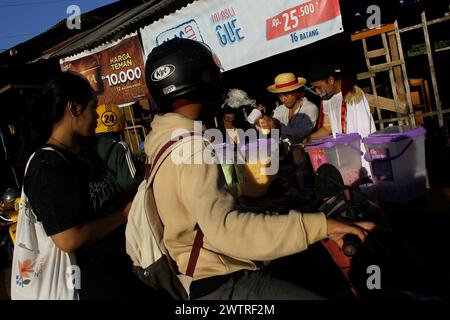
x: 115, y: 71
x: 241, y: 32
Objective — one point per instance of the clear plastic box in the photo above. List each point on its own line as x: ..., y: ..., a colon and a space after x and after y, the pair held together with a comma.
x: 342, y: 151
x: 397, y: 159
x: 248, y: 162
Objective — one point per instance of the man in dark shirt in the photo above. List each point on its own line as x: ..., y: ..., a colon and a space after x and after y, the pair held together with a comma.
x: 296, y: 117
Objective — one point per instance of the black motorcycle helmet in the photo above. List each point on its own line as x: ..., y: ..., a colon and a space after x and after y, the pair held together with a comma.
x: 183, y: 70
x: 10, y: 194
x: 8, y: 198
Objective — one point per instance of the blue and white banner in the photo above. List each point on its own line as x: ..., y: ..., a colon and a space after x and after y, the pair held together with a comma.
x: 244, y: 31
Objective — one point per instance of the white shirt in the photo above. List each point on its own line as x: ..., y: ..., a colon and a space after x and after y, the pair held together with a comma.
x: 302, y: 122
x: 358, y: 119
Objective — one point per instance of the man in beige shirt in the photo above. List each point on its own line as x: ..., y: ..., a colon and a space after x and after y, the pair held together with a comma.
x: 186, y: 83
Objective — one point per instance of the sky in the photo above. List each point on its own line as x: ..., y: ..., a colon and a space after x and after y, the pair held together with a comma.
x: 21, y: 20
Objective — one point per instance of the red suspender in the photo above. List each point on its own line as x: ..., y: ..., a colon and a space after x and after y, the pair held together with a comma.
x: 320, y: 121
x: 344, y: 116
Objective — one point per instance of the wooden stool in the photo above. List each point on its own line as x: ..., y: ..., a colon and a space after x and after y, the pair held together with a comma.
x: 422, y: 99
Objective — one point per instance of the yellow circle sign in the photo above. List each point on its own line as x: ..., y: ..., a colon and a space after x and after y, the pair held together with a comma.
x: 109, y: 118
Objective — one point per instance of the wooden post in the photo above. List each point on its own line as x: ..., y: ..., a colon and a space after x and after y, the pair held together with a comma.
x: 399, y: 81
x: 392, y: 78
x: 372, y: 82
x: 412, y: 119
x: 132, y: 141
x: 432, y: 70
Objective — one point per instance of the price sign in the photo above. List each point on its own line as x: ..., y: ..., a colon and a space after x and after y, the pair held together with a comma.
x: 115, y: 71
x: 302, y: 16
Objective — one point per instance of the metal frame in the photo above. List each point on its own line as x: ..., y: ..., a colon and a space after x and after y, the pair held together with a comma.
x: 405, y: 74
x: 134, y: 143
x: 135, y: 128
x: 424, y: 25
x: 396, y: 60
x: 432, y: 70
x: 440, y: 111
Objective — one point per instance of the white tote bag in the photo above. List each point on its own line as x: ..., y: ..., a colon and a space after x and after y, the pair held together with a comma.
x: 40, y: 270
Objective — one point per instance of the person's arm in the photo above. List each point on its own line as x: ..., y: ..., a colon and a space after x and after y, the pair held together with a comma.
x: 261, y: 111
x: 76, y: 237
x: 128, y: 178
x: 322, y: 132
x: 248, y: 235
x: 295, y: 132
x: 269, y: 123
x: 300, y: 127
x: 272, y: 122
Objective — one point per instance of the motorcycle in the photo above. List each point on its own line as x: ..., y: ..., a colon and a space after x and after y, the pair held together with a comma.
x: 402, y: 272
x: 9, y: 207
x: 385, y: 267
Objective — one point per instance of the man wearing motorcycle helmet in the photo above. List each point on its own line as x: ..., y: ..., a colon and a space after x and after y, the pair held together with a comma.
x: 114, y: 152
x: 186, y: 84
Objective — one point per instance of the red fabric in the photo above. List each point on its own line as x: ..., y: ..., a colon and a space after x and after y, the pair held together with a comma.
x: 198, y: 242
x: 344, y: 116
x: 148, y: 166
x: 195, y: 252
x: 181, y: 103
x: 347, y: 86
x: 342, y: 261
x: 320, y: 121
x: 284, y: 85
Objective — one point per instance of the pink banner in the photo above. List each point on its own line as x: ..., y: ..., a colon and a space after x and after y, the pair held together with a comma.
x: 303, y: 16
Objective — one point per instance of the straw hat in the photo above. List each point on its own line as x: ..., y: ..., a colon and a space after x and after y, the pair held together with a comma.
x: 286, y: 82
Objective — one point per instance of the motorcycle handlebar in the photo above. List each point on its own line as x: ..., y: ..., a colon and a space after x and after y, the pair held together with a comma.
x: 351, y: 244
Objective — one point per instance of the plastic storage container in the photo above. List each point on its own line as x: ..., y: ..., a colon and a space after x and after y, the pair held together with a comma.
x: 302, y: 167
x: 254, y: 176
x: 397, y: 158
x: 343, y: 152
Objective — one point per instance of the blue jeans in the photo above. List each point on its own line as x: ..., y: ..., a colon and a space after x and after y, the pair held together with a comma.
x: 258, y: 285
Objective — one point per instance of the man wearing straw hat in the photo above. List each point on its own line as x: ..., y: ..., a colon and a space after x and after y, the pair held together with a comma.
x: 296, y: 117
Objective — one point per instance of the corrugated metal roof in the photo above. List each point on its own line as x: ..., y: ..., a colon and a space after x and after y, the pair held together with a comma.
x: 121, y: 25
x: 32, y: 50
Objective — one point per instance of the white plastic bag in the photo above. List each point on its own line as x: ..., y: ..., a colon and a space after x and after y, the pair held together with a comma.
x: 40, y: 270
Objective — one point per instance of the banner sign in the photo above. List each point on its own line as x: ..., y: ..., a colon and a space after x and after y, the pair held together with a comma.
x: 241, y: 32
x: 115, y: 71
